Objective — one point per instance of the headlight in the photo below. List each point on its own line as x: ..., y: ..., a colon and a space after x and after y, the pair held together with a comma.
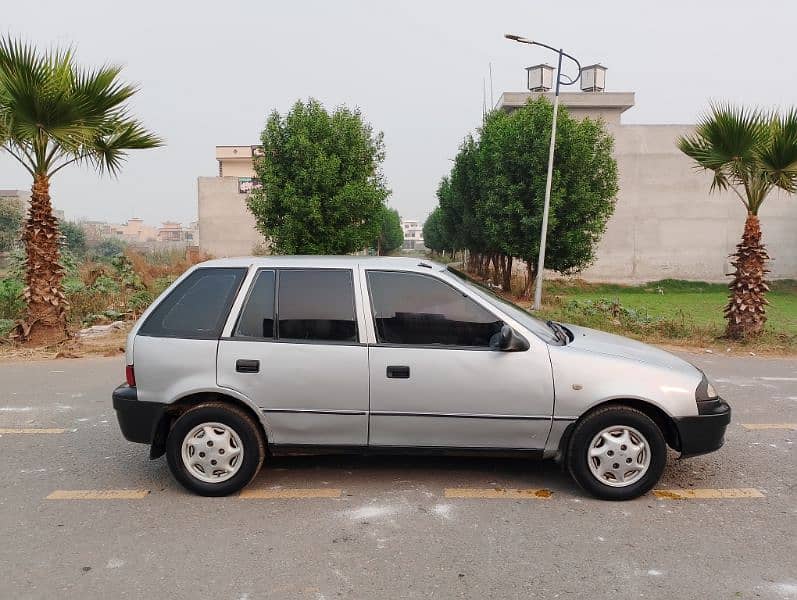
x: 705, y: 391
x: 711, y: 392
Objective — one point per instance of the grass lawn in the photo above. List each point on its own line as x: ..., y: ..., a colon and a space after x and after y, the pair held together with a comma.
x: 701, y: 302
x: 671, y: 311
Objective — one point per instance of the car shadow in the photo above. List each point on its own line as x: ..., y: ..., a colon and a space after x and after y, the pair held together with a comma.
x: 454, y: 471
x: 381, y: 473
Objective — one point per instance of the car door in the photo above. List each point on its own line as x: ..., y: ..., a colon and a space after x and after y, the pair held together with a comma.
x: 295, y: 351
x: 435, y: 381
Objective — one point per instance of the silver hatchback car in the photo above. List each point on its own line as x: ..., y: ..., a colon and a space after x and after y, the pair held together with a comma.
x: 249, y: 356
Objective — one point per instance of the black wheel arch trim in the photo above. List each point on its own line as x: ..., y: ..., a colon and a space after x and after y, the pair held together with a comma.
x: 150, y: 422
x: 665, y: 422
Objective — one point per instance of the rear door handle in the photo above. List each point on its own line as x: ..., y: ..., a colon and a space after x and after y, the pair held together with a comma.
x: 243, y: 365
x: 398, y: 372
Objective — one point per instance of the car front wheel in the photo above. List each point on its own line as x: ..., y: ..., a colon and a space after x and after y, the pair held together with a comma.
x: 617, y: 453
x: 215, y: 449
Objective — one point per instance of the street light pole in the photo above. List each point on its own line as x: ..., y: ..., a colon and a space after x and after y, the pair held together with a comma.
x: 547, y: 203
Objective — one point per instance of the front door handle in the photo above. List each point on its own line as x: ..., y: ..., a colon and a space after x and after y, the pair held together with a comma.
x: 243, y: 365
x: 398, y: 372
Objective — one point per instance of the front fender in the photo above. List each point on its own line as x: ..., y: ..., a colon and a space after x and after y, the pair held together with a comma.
x: 584, y: 379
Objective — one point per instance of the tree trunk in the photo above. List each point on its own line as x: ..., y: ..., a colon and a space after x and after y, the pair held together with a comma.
x: 496, y: 276
x: 528, y: 292
x: 484, y: 261
x: 45, y: 320
x: 506, y: 284
x: 746, y: 306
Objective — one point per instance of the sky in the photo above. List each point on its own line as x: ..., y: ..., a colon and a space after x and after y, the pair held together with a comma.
x: 210, y: 73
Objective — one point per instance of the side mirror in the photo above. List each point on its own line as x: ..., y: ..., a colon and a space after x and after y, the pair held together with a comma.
x: 507, y: 340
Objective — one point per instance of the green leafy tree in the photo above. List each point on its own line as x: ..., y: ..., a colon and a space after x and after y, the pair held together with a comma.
x: 11, y: 217
x: 391, y: 235
x: 434, y: 232
x: 74, y: 237
x: 53, y: 114
x: 751, y: 153
x: 459, y: 197
x: 513, y: 160
x: 323, y: 190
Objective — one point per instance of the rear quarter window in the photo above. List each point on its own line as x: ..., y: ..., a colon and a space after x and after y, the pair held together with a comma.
x: 198, y: 307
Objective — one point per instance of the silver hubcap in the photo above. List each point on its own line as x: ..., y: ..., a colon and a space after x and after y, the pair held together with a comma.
x: 212, y: 452
x: 618, y: 456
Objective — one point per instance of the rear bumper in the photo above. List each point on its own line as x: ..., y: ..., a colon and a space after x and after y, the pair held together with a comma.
x: 137, y: 420
x: 705, y: 432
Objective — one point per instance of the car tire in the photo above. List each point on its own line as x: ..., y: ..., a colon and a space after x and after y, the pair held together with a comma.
x: 233, y: 431
x: 608, y: 438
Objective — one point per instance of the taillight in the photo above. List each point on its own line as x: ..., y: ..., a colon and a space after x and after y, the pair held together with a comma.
x: 130, y: 375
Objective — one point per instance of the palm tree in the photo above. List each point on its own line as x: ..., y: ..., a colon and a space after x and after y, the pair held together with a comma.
x: 53, y: 114
x: 751, y: 153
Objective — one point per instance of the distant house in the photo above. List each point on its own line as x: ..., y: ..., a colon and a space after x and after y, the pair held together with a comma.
x: 136, y: 232
x: 413, y: 234
x: 226, y: 227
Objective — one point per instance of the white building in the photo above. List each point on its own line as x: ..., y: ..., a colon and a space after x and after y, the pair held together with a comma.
x: 226, y: 227
x: 413, y: 234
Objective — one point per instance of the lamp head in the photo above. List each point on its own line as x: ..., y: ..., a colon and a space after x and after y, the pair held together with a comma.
x: 517, y: 38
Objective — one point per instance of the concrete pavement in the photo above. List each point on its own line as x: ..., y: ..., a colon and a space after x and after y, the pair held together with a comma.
x: 386, y: 527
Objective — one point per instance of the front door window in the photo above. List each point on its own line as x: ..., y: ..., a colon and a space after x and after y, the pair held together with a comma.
x: 416, y: 309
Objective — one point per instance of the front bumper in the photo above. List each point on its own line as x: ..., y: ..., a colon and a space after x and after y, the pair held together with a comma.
x: 705, y: 432
x: 138, y: 420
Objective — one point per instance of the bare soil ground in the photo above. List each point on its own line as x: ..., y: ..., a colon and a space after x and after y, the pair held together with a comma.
x: 76, y: 347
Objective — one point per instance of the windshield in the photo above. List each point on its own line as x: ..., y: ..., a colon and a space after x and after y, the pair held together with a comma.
x: 533, y: 324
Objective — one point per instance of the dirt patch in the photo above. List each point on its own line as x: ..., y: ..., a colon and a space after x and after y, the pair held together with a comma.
x: 112, y: 344
x: 719, y: 349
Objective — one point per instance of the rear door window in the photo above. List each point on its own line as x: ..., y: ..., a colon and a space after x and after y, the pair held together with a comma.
x: 197, y: 307
x: 316, y: 305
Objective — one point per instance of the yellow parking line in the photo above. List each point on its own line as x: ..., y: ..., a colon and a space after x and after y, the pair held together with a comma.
x: 4, y: 430
x: 290, y: 494
x: 769, y: 425
x: 707, y: 494
x: 491, y: 493
x: 98, y: 495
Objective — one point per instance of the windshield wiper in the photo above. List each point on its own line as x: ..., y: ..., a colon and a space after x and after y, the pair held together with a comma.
x: 558, y: 331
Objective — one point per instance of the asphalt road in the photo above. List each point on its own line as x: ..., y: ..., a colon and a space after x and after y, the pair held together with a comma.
x: 394, y: 531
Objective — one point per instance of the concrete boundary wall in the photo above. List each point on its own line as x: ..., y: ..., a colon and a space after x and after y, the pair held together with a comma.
x: 667, y: 224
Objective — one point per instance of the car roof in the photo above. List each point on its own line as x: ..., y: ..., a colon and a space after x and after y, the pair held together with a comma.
x: 340, y: 262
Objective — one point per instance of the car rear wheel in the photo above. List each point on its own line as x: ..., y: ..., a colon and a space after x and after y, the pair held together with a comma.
x: 617, y: 453
x: 215, y: 449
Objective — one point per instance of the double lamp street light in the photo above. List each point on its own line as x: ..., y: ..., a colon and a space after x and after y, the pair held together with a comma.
x: 561, y: 79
